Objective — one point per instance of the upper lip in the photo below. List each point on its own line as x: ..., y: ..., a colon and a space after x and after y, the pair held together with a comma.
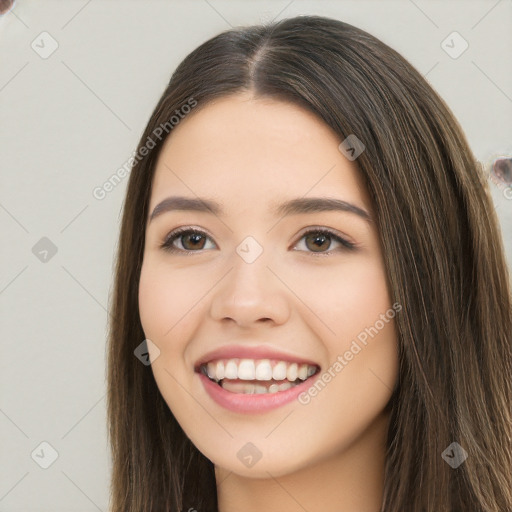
x: 250, y: 352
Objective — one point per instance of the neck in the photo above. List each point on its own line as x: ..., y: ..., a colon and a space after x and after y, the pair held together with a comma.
x: 351, y: 480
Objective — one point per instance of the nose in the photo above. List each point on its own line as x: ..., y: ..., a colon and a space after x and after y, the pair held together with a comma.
x: 250, y: 294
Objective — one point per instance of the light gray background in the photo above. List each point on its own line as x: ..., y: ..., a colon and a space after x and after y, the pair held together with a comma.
x: 69, y: 121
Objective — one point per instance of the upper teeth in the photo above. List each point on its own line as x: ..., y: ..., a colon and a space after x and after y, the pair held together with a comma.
x: 263, y: 369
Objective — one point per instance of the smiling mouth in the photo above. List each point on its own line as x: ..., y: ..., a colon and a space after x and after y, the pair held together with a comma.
x: 249, y: 376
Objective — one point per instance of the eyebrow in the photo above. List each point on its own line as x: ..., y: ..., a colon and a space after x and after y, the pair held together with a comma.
x: 302, y: 205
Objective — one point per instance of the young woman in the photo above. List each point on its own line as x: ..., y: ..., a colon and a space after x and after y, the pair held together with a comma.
x: 310, y: 256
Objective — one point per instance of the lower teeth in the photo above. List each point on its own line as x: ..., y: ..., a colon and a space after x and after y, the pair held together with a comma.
x: 255, y: 389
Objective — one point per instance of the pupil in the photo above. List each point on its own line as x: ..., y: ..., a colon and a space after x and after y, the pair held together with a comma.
x: 195, y: 237
x: 320, y: 238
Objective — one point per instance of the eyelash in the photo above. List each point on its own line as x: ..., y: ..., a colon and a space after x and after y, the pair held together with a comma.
x: 166, y: 245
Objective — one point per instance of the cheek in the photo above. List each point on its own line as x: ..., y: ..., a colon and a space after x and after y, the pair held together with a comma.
x: 150, y: 302
x: 170, y: 308
x: 163, y: 314
x: 160, y: 301
x: 347, y: 297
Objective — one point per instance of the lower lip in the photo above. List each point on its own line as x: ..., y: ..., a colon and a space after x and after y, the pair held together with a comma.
x: 252, y: 403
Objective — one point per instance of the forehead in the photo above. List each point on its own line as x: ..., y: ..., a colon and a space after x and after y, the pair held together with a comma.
x: 253, y: 152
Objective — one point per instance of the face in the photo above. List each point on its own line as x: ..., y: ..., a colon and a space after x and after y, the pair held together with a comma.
x: 256, y: 292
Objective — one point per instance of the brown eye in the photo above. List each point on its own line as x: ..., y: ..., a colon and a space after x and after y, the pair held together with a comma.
x: 317, y: 241
x: 320, y: 240
x: 196, y: 241
x: 191, y: 240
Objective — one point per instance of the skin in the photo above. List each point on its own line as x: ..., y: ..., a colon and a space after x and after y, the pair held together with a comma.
x: 250, y: 154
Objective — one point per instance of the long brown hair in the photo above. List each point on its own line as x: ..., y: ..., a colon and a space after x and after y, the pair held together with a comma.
x: 443, y: 253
